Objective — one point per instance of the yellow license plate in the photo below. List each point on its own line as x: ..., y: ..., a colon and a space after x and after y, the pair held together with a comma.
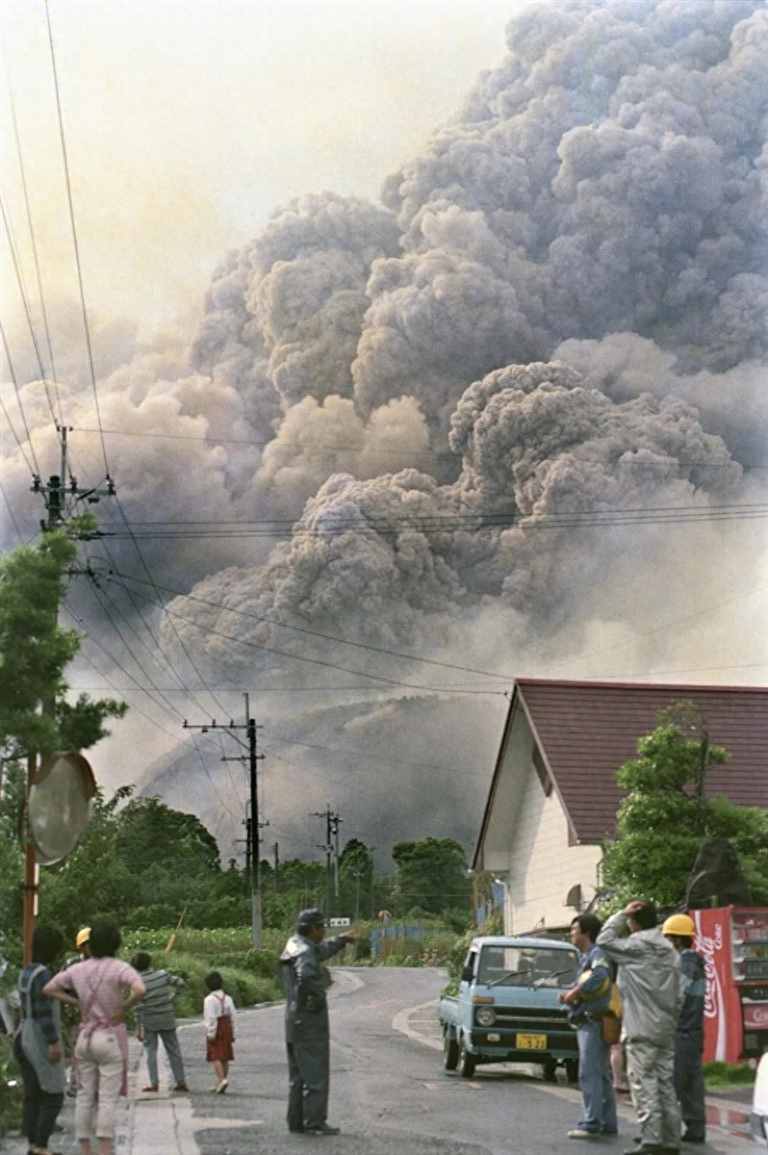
x: 531, y: 1042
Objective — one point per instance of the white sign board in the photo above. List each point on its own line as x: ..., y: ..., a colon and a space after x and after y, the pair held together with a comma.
x: 335, y: 923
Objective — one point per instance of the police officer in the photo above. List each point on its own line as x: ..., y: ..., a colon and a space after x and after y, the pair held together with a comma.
x: 305, y: 981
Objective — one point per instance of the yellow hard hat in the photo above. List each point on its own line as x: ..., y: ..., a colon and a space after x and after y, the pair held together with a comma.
x: 681, y: 924
x: 83, y: 936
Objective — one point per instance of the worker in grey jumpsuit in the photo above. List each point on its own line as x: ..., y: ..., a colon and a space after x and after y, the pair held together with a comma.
x: 649, y: 982
x: 305, y: 981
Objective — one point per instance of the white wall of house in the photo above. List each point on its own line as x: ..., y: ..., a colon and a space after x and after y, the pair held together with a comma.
x: 526, y: 842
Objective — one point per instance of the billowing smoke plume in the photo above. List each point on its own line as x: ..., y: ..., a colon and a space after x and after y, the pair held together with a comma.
x: 462, y: 398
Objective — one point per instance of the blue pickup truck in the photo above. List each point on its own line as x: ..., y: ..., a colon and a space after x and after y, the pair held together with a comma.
x: 508, y: 1006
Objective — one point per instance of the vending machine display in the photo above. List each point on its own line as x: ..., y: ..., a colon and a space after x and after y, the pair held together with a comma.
x: 734, y: 944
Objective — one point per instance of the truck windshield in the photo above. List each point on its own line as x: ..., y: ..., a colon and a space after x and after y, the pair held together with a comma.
x: 527, y: 966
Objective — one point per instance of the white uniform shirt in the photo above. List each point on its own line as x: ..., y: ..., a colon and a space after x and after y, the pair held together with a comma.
x: 217, y: 1004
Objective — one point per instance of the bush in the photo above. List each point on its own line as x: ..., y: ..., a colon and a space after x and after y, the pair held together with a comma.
x: 245, y: 988
x: 11, y: 1088
x: 728, y: 1073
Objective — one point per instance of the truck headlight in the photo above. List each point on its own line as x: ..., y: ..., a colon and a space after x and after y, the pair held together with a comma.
x: 486, y: 1016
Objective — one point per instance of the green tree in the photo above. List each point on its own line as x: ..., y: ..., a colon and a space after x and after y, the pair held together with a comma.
x: 665, y: 815
x: 431, y: 874
x: 355, y: 876
x: 34, y: 652
x: 149, y: 831
x: 94, y: 881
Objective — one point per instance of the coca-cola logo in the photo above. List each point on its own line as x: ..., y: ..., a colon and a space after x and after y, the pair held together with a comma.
x: 756, y: 1016
x: 708, y: 947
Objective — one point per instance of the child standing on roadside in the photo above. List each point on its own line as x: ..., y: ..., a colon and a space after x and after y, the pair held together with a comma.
x: 219, y: 1017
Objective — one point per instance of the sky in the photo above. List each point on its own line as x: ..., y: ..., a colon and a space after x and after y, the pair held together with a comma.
x: 188, y: 123
x: 558, y: 305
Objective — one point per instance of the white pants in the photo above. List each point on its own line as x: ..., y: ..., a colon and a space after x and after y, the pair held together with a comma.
x: 100, y: 1070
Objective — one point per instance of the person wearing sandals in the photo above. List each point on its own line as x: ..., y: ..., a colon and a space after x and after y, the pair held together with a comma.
x: 105, y: 989
x: 38, y: 1043
x: 156, y: 1019
x: 219, y: 1017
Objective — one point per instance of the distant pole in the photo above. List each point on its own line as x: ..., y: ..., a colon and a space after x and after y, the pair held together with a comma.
x: 336, y: 823
x: 276, y: 849
x: 253, y: 826
x: 327, y: 846
x: 254, y: 833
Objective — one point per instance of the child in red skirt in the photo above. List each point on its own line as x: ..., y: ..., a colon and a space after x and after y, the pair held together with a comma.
x: 219, y: 1016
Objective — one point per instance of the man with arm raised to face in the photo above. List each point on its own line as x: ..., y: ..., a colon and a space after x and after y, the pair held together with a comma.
x: 649, y: 981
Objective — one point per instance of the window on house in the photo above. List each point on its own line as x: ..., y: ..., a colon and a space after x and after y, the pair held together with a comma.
x: 541, y: 771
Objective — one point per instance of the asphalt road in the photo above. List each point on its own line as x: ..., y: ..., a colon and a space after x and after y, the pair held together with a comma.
x: 389, y: 1093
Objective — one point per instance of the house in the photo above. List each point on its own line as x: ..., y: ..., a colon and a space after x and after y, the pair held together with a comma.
x: 553, y: 797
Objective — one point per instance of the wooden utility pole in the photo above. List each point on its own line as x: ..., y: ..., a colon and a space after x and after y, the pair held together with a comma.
x: 59, y: 498
x: 331, y: 843
x: 253, y: 826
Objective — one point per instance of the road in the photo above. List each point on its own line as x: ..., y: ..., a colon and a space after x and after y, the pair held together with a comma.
x: 389, y: 1093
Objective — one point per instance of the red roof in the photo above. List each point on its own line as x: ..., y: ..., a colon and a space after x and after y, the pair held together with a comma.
x: 586, y: 730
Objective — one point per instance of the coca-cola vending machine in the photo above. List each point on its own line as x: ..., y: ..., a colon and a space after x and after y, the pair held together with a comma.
x: 734, y: 943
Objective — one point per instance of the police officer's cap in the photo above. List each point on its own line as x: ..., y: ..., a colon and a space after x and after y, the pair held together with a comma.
x: 313, y: 917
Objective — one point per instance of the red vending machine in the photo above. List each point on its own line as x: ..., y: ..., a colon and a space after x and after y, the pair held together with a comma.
x: 734, y: 943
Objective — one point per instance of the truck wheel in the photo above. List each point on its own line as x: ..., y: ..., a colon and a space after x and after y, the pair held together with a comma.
x: 467, y: 1062
x: 550, y: 1071
x: 572, y: 1070
x: 450, y: 1051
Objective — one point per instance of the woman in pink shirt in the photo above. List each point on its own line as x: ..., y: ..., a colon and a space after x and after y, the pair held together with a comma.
x: 104, y: 988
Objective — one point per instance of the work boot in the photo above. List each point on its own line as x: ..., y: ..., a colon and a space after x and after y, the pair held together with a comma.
x: 321, y: 1129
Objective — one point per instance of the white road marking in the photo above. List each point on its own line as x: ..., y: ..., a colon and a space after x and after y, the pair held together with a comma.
x: 401, y: 1023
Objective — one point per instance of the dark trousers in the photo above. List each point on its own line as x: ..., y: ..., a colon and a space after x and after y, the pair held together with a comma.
x: 689, y: 1085
x: 40, y: 1107
x: 308, y: 1083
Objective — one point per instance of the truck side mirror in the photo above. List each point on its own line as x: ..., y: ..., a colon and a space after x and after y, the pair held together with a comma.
x: 468, y: 973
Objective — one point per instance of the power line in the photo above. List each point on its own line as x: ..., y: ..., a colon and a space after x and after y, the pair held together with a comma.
x: 68, y: 183
x: 360, y: 754
x: 317, y: 661
x: 33, y: 241
x: 115, y: 662
x: 152, y: 582
x: 336, y: 639
x: 10, y: 511
x: 36, y: 471
x: 27, y: 310
x: 285, y: 689
x: 321, y: 447
x: 17, y: 439
x: 316, y: 449
x: 456, y: 523
x: 108, y: 606
x: 195, y: 743
x: 155, y: 639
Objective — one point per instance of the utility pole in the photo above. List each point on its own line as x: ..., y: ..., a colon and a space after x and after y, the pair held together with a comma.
x: 253, y: 826
x: 276, y: 849
x: 336, y: 823
x: 59, y: 499
x: 331, y: 842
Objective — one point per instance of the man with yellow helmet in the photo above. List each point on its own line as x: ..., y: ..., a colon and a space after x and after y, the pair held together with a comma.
x: 689, y: 1041
x: 83, y: 942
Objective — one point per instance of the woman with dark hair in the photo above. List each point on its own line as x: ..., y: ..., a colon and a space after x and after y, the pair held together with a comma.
x: 38, y: 1043
x: 104, y: 988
